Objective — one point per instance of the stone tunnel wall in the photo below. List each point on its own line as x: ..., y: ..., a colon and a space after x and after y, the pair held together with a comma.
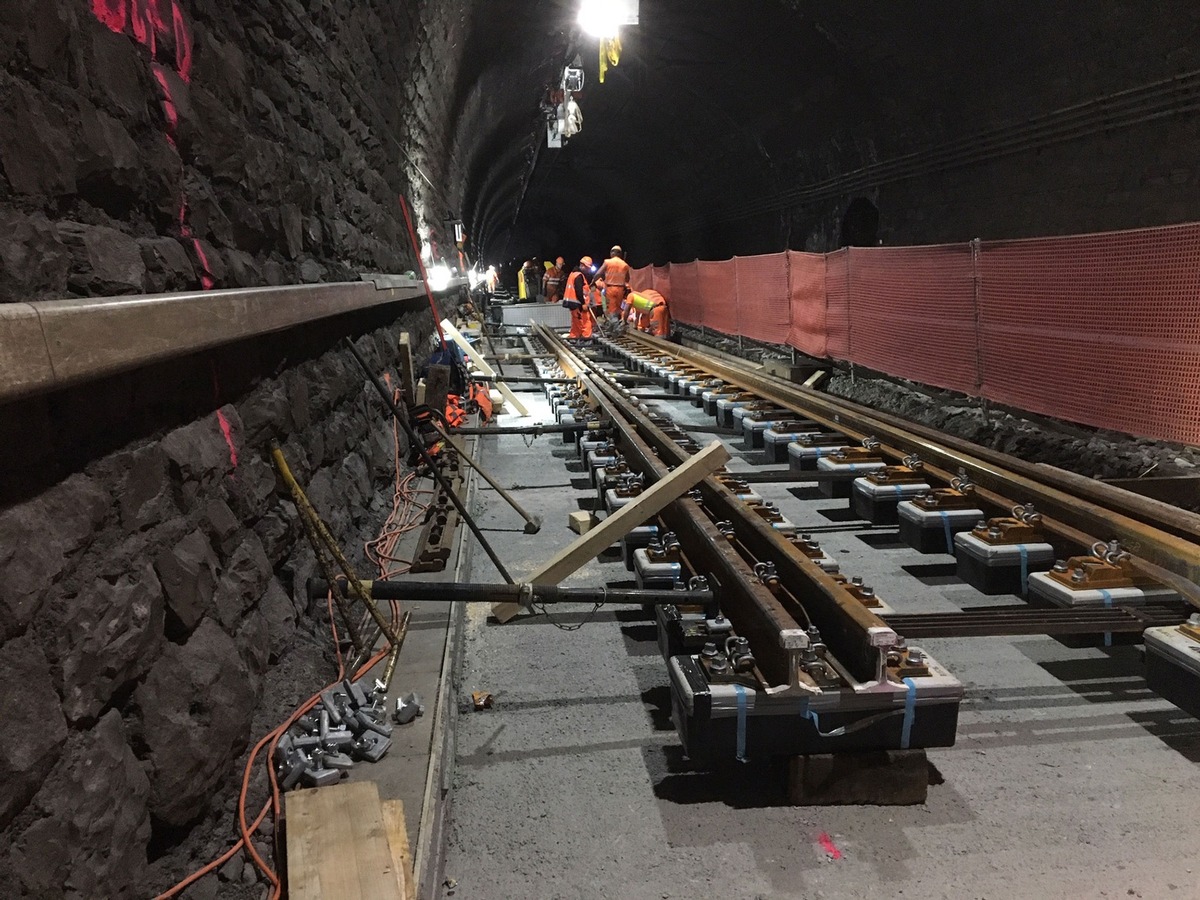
x: 152, y: 596
x: 155, y: 145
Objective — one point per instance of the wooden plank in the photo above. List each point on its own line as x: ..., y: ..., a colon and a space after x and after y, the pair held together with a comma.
x: 455, y: 335
x: 397, y: 829
x: 408, y: 381
x: 647, y: 504
x: 337, y: 845
x: 437, y: 385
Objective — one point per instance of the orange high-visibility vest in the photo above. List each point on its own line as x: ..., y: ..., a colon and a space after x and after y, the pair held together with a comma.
x: 616, y: 272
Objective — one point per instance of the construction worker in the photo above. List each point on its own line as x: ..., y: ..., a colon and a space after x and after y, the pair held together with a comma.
x: 615, y: 272
x: 552, y: 281
x: 647, y: 311
x: 577, y: 299
x: 659, y: 323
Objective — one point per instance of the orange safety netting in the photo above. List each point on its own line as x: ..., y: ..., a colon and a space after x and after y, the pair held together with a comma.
x: 837, y: 304
x: 912, y: 313
x: 661, y: 277
x: 641, y: 279
x: 762, y: 296
x: 806, y: 302
x: 718, y: 287
x: 685, y: 300
x: 1102, y: 329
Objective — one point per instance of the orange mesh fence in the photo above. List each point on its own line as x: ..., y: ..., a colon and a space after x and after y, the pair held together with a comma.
x: 685, y: 302
x: 718, y: 289
x: 912, y: 313
x: 837, y: 304
x: 1102, y: 329
x: 662, y: 281
x: 641, y: 279
x: 762, y: 296
x: 806, y: 294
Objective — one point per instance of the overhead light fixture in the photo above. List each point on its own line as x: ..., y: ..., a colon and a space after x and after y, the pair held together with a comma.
x: 603, y: 18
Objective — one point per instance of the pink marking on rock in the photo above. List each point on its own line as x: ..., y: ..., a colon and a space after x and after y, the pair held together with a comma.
x: 228, y: 432
x: 112, y: 14
x: 183, y: 43
x: 168, y: 102
x: 828, y: 846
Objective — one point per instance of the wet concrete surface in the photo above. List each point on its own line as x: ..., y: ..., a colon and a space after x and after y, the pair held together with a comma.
x: 1068, y: 779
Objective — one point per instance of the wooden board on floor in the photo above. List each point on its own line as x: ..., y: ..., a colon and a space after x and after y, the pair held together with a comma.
x: 644, y: 506
x: 337, y: 845
x: 397, y: 829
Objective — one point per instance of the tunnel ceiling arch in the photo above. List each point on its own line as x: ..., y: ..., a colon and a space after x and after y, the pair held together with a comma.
x: 718, y: 108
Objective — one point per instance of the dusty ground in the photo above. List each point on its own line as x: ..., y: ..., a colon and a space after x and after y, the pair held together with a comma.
x: 1068, y: 778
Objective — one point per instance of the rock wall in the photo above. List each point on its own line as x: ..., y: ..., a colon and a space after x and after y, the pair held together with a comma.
x: 147, y: 598
x: 153, y: 145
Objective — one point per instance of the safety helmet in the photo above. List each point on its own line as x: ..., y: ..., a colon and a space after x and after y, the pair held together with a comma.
x: 586, y: 262
x: 616, y: 250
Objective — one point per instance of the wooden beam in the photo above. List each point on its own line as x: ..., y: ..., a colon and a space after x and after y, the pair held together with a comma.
x: 337, y: 845
x: 455, y: 335
x: 408, y: 381
x: 644, y: 506
x: 437, y: 385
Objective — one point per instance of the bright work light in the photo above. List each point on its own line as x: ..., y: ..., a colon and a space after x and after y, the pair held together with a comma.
x: 602, y: 18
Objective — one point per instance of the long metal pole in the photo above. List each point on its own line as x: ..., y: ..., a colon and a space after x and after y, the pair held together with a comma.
x: 415, y: 440
x: 433, y: 591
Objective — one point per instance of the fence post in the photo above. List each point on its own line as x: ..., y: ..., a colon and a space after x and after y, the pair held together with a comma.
x: 975, y: 293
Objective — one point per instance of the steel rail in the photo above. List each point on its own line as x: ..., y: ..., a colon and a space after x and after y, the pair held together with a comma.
x: 1000, y: 621
x: 51, y: 344
x: 855, y: 634
x: 749, y: 606
x: 1080, y: 511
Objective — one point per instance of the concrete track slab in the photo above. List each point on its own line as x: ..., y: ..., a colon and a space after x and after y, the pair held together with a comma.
x: 1068, y: 780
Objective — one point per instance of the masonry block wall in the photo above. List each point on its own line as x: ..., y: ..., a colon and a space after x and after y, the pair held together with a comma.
x: 154, y: 145
x: 150, y: 600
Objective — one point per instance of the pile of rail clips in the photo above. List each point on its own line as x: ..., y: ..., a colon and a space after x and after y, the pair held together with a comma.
x: 348, y: 725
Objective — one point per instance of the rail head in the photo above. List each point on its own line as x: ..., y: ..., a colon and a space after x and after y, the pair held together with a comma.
x: 51, y: 344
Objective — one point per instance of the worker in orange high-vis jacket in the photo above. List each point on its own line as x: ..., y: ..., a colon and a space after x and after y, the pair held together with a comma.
x: 552, y: 281
x: 615, y: 272
x: 577, y: 298
x: 647, y: 311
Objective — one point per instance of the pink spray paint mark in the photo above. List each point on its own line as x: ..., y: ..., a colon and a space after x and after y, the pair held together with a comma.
x: 828, y: 846
x: 225, y: 430
x: 144, y: 21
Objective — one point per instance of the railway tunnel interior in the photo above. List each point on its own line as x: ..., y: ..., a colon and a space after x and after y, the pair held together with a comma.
x: 151, y: 146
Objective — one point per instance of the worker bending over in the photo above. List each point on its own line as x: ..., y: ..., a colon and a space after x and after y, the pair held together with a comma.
x: 578, y: 299
x: 552, y: 282
x: 647, y: 311
x: 615, y: 273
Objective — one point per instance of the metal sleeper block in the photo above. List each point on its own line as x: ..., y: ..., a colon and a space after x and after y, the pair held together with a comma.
x: 370, y: 746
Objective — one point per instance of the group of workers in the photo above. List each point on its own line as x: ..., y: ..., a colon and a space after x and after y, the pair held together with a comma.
x: 590, y: 292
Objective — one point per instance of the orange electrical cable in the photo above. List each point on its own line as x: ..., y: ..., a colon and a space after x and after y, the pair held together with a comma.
x: 407, y: 512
